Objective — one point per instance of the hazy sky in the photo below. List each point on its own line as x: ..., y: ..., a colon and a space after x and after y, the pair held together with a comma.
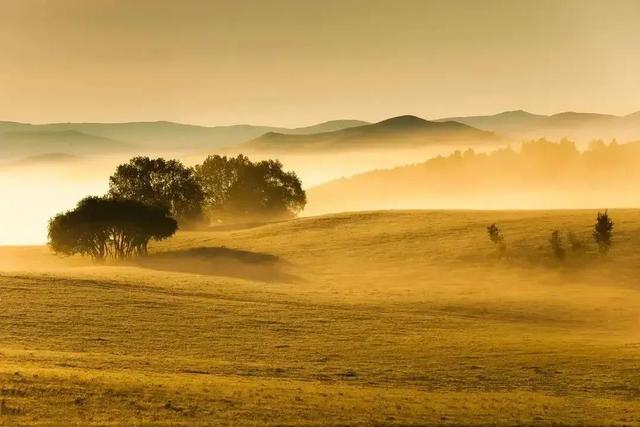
x: 296, y: 62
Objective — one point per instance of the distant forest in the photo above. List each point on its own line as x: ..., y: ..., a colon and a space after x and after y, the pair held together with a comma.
x: 540, y: 174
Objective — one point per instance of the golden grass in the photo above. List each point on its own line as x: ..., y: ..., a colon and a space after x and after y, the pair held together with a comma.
x: 401, y: 317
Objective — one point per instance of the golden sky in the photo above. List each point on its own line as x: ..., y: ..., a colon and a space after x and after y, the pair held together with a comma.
x: 297, y: 62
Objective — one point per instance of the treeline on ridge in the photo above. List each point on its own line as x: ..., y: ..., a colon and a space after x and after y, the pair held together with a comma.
x: 539, y: 174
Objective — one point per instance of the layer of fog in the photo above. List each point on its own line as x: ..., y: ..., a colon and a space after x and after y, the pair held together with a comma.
x: 33, y: 190
x: 538, y: 175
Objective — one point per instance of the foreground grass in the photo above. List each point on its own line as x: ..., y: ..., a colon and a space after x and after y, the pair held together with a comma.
x: 369, y: 318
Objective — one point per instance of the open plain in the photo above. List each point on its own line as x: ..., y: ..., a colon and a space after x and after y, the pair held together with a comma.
x: 389, y: 317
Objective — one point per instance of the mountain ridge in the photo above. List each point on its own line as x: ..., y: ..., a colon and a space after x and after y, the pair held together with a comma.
x: 406, y: 130
x: 579, y: 126
x: 399, y: 131
x: 36, y: 142
x: 153, y: 136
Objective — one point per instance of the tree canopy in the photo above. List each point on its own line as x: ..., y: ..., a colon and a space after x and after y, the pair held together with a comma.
x: 159, y: 181
x: 104, y: 228
x: 237, y: 187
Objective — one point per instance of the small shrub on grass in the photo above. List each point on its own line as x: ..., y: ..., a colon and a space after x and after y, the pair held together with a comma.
x: 602, y: 232
x: 497, y: 238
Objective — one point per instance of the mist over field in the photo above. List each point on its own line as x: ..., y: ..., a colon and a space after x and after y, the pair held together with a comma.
x: 52, y: 166
x: 36, y: 187
x: 548, y: 175
x: 539, y: 174
x: 319, y: 213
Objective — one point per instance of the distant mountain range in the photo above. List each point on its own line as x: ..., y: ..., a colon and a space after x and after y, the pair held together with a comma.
x: 28, y: 142
x: 581, y: 127
x: 98, y: 138
x: 397, y: 132
x: 23, y: 140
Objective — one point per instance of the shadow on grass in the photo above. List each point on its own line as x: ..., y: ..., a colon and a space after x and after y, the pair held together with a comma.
x: 220, y: 261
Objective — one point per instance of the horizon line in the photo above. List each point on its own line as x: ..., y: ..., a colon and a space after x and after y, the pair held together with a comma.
x: 187, y: 123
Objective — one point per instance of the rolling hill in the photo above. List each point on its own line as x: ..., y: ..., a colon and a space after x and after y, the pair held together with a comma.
x: 397, y: 132
x: 582, y: 127
x: 369, y: 318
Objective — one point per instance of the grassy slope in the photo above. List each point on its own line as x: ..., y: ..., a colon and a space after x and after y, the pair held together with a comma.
x: 381, y: 317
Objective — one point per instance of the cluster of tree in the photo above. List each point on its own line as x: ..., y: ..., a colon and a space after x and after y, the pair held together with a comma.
x: 221, y: 188
x: 148, y: 198
x: 235, y: 187
x: 602, y: 235
x: 102, y: 227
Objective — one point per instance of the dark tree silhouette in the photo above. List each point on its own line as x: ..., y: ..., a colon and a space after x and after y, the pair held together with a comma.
x: 496, y: 237
x: 602, y: 232
x: 556, y: 245
x: 237, y: 187
x: 160, y: 181
x: 104, y: 228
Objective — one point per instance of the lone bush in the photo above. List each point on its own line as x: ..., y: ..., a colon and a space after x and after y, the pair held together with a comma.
x: 496, y: 237
x: 602, y: 232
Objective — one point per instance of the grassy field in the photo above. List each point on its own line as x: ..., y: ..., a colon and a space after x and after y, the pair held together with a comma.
x: 405, y: 317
